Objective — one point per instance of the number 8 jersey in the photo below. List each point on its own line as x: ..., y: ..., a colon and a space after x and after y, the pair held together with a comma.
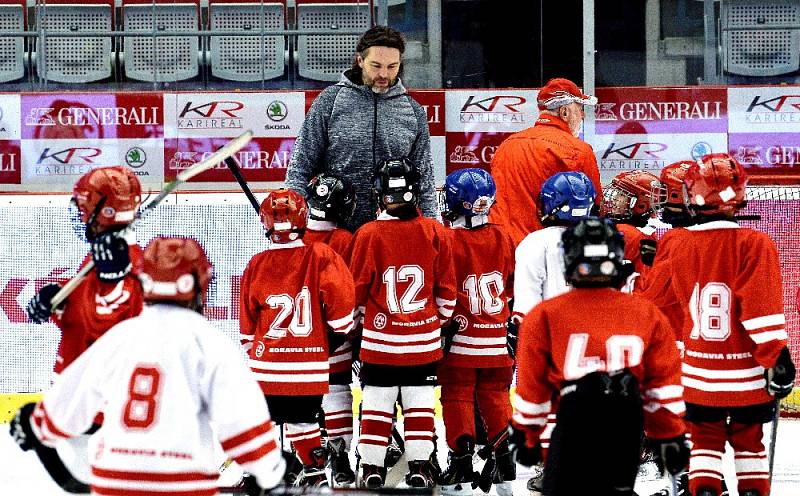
x: 291, y: 295
x: 727, y: 281
x: 405, y: 289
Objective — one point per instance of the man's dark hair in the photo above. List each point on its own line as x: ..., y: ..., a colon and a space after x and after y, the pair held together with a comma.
x: 381, y: 36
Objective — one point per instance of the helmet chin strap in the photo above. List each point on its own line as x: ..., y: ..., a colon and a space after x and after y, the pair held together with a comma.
x: 470, y: 222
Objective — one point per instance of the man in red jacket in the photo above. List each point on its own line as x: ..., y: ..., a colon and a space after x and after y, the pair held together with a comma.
x: 527, y: 158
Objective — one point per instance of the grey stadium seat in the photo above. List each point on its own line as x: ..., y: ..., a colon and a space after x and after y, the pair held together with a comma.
x: 13, y: 17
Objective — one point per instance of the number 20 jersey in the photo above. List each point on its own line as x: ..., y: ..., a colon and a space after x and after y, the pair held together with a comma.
x: 291, y: 295
x: 727, y: 281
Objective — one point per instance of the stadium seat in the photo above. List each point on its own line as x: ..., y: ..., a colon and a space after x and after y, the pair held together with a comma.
x: 251, y: 57
x: 13, y: 17
x: 75, y: 60
x: 325, y: 57
x: 766, y: 41
x: 174, y: 58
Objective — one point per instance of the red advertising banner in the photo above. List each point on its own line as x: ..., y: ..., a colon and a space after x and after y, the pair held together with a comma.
x: 10, y: 162
x: 472, y: 150
x: 434, y: 104
x: 263, y: 159
x: 661, y: 110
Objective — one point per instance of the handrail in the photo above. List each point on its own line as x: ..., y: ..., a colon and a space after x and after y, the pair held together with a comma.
x: 188, y: 32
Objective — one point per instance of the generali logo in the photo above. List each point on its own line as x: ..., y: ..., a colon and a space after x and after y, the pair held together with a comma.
x: 659, y: 111
x: 8, y: 162
x: 749, y: 155
x: 781, y: 155
x: 217, y: 114
x: 784, y: 108
x: 464, y: 155
x: 498, y: 108
x: 248, y: 159
x: 100, y: 116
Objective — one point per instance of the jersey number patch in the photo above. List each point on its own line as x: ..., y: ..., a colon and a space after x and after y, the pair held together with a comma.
x: 622, y: 351
x: 710, y: 309
x: 298, y: 308
x: 143, y: 387
x: 415, y: 277
x: 484, y: 293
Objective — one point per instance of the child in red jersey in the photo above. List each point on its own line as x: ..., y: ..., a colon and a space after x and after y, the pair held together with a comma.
x: 405, y: 290
x: 477, y: 365
x: 296, y: 300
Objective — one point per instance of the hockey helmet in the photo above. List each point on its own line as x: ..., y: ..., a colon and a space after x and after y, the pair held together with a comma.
x: 330, y: 198
x: 397, y: 182
x: 468, y: 192
x: 175, y: 269
x: 633, y: 195
x: 566, y: 197
x: 106, y: 197
x: 284, y: 215
x: 593, y: 252
x: 715, y: 184
x: 671, y: 179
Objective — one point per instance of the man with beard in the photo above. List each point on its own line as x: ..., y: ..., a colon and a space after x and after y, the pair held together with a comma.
x: 364, y: 120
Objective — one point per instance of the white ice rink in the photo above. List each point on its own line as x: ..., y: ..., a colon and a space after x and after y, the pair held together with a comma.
x: 22, y: 475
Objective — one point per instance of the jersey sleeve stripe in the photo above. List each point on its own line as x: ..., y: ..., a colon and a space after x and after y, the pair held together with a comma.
x: 715, y: 387
x: 345, y: 321
x: 341, y: 357
x: 247, y: 435
x: 764, y: 337
x: 528, y: 408
x: 764, y: 321
x: 260, y: 452
x: 665, y: 392
x: 47, y: 428
x: 521, y: 419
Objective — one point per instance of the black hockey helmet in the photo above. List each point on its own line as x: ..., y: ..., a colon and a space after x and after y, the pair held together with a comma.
x: 593, y: 251
x: 330, y: 198
x: 397, y: 182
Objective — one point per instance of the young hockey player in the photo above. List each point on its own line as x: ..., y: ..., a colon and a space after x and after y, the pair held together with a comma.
x: 477, y: 360
x: 405, y: 291
x: 610, y: 361
x: 727, y: 280
x: 631, y: 201
x: 160, y: 379
x: 296, y: 305
x: 331, y: 201
x: 565, y: 198
x: 106, y: 202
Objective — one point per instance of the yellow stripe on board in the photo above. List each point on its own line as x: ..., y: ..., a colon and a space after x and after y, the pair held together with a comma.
x: 11, y: 403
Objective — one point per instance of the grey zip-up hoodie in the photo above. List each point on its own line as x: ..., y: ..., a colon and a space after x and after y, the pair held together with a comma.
x: 350, y: 131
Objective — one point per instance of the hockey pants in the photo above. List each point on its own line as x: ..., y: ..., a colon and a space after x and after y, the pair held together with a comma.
x: 378, y: 407
x: 461, y: 386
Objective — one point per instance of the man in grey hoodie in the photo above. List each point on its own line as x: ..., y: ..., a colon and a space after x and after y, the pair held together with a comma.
x: 362, y: 121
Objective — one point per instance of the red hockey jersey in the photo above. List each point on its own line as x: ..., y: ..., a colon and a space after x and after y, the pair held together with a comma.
x: 727, y: 281
x: 405, y: 289
x: 319, y: 231
x: 291, y: 295
x: 94, y: 307
x: 633, y: 236
x: 598, y: 329
x: 483, y: 260
x: 161, y: 378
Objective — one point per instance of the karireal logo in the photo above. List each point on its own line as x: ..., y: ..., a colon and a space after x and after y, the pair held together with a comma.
x: 221, y: 114
x: 784, y: 108
x: 500, y: 108
x: 642, y: 155
x: 69, y: 156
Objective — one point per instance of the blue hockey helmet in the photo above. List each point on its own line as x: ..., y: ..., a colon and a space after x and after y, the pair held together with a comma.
x: 566, y: 197
x: 468, y: 192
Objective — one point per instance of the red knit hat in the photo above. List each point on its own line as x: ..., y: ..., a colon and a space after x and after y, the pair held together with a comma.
x: 559, y: 92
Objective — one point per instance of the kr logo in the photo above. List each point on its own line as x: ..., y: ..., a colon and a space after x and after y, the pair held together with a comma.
x: 78, y: 155
x: 635, y: 150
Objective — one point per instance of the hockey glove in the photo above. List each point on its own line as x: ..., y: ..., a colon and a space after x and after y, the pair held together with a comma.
x: 20, y: 428
x: 517, y: 445
x: 512, y: 336
x: 647, y: 250
x: 40, y: 307
x: 780, y: 378
x: 449, y: 331
x: 671, y: 455
x: 110, y: 254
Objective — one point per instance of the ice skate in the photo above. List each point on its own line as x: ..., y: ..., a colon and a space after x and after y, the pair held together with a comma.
x: 457, y: 479
x: 341, y: 473
x: 421, y: 473
x: 506, y: 471
x: 535, y: 483
x: 372, y: 476
x: 314, y: 475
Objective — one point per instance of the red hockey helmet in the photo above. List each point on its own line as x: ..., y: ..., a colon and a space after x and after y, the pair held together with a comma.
x: 632, y: 194
x: 283, y: 213
x: 175, y: 269
x: 106, y: 197
x: 671, y: 179
x: 715, y: 184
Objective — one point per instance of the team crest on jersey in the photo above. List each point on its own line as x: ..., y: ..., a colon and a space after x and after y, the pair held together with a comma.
x: 379, y: 321
x: 260, y: 349
x: 461, y: 321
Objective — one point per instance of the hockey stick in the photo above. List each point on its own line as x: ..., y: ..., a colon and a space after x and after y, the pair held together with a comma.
x: 233, y: 166
x: 773, y: 438
x: 215, y: 158
x: 488, y: 453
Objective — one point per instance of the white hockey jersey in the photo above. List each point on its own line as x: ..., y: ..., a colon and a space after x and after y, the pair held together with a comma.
x: 539, y: 271
x: 160, y: 379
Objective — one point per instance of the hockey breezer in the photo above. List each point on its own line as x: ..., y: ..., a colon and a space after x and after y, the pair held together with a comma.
x: 215, y: 158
